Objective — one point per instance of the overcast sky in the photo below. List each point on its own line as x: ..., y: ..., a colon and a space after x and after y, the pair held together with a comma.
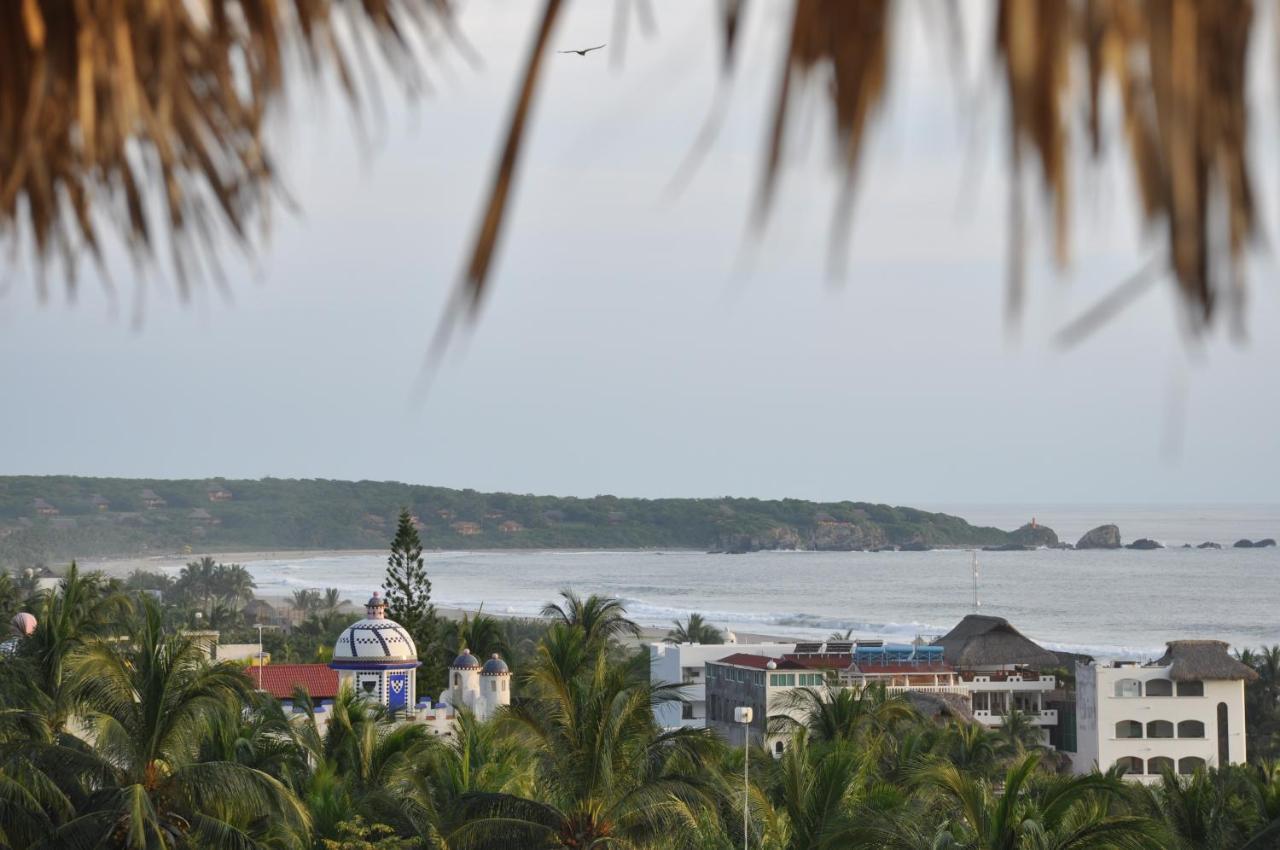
x: 645, y: 345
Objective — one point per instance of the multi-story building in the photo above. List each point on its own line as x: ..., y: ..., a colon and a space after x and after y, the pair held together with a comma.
x: 1178, y: 713
x: 1003, y: 671
x: 683, y: 663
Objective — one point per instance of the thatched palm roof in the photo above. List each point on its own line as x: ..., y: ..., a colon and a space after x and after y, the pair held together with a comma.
x: 1194, y: 660
x: 984, y: 641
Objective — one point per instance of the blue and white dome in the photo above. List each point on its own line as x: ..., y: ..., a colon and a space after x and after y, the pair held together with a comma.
x: 465, y: 661
x: 375, y: 639
x: 495, y: 666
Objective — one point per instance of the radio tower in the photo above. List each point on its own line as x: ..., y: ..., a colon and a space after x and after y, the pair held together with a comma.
x: 976, y: 602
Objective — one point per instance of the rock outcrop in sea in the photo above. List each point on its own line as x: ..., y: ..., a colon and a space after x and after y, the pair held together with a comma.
x: 1243, y: 544
x: 1264, y: 543
x: 1145, y: 543
x: 1034, y: 535
x: 1209, y: 544
x: 1102, y: 537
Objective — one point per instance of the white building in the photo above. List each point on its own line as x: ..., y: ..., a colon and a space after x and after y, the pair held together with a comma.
x: 684, y: 663
x: 1181, y: 712
x: 481, y: 688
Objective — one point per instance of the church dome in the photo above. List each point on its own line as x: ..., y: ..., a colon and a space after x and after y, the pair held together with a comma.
x: 465, y: 661
x: 375, y: 639
x: 495, y: 666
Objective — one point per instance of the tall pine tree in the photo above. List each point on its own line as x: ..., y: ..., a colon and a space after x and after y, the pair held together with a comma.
x: 408, y: 590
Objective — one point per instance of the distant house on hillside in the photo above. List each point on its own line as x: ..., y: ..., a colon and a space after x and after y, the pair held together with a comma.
x: 466, y: 529
x: 43, y: 508
x: 219, y: 494
x: 99, y: 503
x: 202, y: 516
x: 418, y: 524
x: 511, y: 527
x: 445, y: 513
x: 151, y: 500
x: 493, y: 514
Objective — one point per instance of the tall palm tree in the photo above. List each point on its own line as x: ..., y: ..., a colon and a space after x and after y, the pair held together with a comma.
x: 148, y: 705
x: 601, y: 618
x: 306, y: 600
x: 1206, y: 809
x: 604, y: 774
x: 1017, y: 734
x: 482, y: 634
x: 234, y: 584
x: 331, y: 601
x: 198, y: 580
x: 363, y: 762
x: 694, y: 630
x: 1037, y: 811
x: 816, y: 799
x: 81, y: 609
x: 832, y: 714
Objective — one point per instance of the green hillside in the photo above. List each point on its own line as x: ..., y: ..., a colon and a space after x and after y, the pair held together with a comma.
x: 55, y: 518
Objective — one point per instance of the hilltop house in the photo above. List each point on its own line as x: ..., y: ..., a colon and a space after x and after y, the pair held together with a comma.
x: 1178, y: 713
x: 99, y: 503
x: 466, y: 529
x: 511, y: 527
x: 43, y: 508
x: 151, y: 500
x: 201, y: 515
x: 219, y: 494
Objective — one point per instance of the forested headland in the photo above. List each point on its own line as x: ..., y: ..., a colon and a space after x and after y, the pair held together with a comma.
x: 51, y: 519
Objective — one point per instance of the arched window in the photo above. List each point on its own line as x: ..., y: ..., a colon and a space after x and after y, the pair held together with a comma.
x: 1159, y: 764
x: 1190, y: 729
x: 777, y: 748
x: 1224, y: 736
x: 1191, y: 689
x: 1159, y: 688
x: 1190, y: 764
x: 1129, y: 729
x: 1130, y: 764
x: 1128, y: 688
x: 1159, y: 729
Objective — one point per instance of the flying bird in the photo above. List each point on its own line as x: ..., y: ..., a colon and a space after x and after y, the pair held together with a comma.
x: 584, y: 51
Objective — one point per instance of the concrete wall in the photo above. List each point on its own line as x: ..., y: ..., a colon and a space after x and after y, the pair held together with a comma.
x: 684, y: 663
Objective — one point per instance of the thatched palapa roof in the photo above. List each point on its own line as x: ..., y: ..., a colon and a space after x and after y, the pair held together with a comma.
x: 983, y: 641
x: 936, y: 706
x: 1194, y: 660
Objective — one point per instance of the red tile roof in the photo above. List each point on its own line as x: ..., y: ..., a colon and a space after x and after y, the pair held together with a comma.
x: 280, y: 680
x: 761, y: 662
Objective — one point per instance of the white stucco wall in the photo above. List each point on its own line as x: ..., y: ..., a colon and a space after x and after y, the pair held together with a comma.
x: 1097, y: 701
x: 675, y: 663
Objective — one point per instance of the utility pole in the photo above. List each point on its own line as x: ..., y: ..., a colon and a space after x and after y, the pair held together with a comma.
x: 260, y: 653
x: 743, y: 714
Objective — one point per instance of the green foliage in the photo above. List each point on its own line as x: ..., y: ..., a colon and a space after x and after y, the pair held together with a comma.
x: 408, y: 590
x: 276, y: 513
x: 117, y: 731
x: 694, y: 630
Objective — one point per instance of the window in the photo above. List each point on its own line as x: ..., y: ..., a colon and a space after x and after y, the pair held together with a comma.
x: 777, y: 748
x: 1159, y: 729
x: 686, y: 711
x: 1224, y: 736
x: 1129, y: 729
x: 457, y: 679
x: 1190, y: 729
x: 1130, y: 764
x: 1128, y: 688
x: 1190, y: 764
x: 1191, y: 689
x: 1159, y: 688
x: 1159, y: 765
x: 782, y: 680
x: 493, y: 686
x: 810, y: 680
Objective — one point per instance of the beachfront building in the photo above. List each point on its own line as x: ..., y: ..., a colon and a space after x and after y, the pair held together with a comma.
x: 1181, y: 712
x: 764, y: 683
x: 684, y: 664
x: 1003, y: 671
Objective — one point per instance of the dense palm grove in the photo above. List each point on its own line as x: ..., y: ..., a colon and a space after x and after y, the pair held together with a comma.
x: 116, y: 730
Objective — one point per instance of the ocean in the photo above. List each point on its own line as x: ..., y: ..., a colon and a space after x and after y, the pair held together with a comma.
x: 1106, y: 603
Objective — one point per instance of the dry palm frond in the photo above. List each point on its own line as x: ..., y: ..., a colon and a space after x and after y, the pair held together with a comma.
x: 105, y: 102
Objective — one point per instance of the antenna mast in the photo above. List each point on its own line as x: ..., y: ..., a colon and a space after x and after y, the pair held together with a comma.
x: 976, y: 602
